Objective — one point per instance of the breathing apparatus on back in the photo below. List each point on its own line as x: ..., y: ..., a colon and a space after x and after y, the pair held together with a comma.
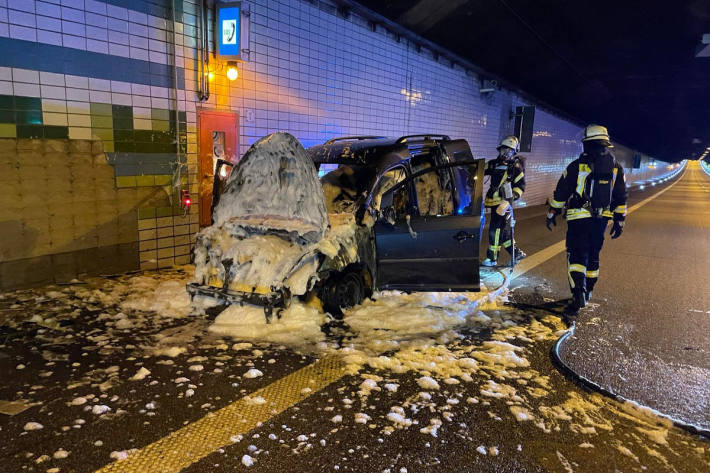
x: 601, y: 162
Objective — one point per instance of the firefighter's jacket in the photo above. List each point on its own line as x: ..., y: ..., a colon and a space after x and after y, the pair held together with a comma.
x: 502, y: 172
x: 574, y: 187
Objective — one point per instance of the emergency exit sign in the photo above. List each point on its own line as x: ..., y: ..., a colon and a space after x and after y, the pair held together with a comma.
x: 229, y: 30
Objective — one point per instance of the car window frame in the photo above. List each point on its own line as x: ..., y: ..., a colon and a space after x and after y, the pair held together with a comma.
x: 407, y: 173
x: 455, y: 191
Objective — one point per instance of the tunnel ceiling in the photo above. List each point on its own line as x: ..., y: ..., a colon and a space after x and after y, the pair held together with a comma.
x: 630, y: 65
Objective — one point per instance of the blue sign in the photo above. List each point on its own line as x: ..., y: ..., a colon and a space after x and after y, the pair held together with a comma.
x: 228, y: 30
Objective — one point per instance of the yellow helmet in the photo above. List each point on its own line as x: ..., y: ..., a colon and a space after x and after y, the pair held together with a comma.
x: 510, y: 141
x: 596, y: 132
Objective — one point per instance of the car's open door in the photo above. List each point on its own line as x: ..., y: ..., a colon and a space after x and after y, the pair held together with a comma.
x: 433, y: 244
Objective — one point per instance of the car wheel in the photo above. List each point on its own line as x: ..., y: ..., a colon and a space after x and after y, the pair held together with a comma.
x: 343, y: 291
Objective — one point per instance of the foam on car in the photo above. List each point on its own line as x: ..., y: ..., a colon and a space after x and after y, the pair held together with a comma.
x: 275, y: 186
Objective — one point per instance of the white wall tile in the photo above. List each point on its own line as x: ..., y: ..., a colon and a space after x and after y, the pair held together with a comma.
x: 100, y: 97
x: 6, y: 88
x: 53, y: 92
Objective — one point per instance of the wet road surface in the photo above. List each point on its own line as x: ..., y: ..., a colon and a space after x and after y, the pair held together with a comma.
x: 515, y: 413
x: 649, y: 338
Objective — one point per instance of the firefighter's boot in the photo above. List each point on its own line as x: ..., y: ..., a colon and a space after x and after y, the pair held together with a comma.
x: 489, y: 262
x: 577, y: 302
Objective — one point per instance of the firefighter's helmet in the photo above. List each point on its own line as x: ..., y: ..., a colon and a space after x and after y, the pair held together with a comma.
x: 509, y: 141
x: 597, y: 133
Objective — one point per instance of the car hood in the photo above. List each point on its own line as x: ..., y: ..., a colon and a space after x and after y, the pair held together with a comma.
x: 275, y: 188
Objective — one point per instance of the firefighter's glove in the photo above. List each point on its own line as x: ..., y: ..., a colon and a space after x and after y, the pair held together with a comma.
x: 551, y: 220
x: 616, y: 229
x: 502, y: 208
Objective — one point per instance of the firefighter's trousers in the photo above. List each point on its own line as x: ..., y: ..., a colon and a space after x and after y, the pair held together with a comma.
x: 499, y: 235
x: 585, y: 238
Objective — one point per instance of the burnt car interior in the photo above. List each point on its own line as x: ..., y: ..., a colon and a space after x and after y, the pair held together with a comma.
x: 422, y: 192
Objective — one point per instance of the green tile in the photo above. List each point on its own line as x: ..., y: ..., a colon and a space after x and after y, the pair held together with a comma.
x: 28, y: 117
x: 124, y: 146
x: 145, y: 136
x: 105, y: 134
x: 148, y: 147
x: 157, y: 136
x: 160, y: 114
x: 164, y: 180
x: 161, y: 125
x: 165, y: 137
x: 123, y: 135
x: 143, y: 147
x: 145, y: 180
x: 8, y: 130
x: 146, y: 212
x: 30, y: 131
x: 126, y: 181
x: 103, y: 109
x: 122, y: 123
x: 28, y: 103
x: 163, y: 212
x: 108, y: 147
x: 182, y: 116
x: 99, y: 121
x: 56, y: 132
x: 7, y: 116
x: 122, y: 111
x: 7, y: 101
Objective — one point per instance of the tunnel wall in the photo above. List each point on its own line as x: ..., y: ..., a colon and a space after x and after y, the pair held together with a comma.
x: 62, y: 214
x: 112, y: 73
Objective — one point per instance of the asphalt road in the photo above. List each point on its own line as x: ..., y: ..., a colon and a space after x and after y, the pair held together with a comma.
x: 545, y: 424
x: 648, y: 339
x: 646, y: 334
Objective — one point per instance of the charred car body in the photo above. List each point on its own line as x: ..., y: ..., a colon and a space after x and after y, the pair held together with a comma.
x: 402, y: 214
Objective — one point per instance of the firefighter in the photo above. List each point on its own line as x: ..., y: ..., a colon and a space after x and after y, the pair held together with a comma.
x: 593, y: 190
x: 507, y: 185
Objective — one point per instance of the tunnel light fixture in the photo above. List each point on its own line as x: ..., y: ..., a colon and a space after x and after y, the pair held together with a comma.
x: 232, y: 71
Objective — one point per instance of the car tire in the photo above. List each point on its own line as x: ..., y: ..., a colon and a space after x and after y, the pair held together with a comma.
x: 343, y: 291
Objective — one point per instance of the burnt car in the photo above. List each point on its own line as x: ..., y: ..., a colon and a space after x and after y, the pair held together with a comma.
x: 386, y: 213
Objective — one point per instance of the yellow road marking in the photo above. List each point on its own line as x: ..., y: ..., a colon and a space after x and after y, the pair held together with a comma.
x: 553, y: 250
x: 12, y: 408
x: 195, y: 441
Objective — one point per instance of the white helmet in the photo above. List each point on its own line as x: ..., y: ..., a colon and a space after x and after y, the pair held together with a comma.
x: 509, y: 141
x: 596, y: 132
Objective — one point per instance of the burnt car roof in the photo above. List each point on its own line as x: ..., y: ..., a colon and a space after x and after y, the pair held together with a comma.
x: 371, y: 150
x: 353, y: 150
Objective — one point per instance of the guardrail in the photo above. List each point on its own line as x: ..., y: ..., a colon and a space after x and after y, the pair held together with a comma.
x: 675, y: 171
x: 705, y: 166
